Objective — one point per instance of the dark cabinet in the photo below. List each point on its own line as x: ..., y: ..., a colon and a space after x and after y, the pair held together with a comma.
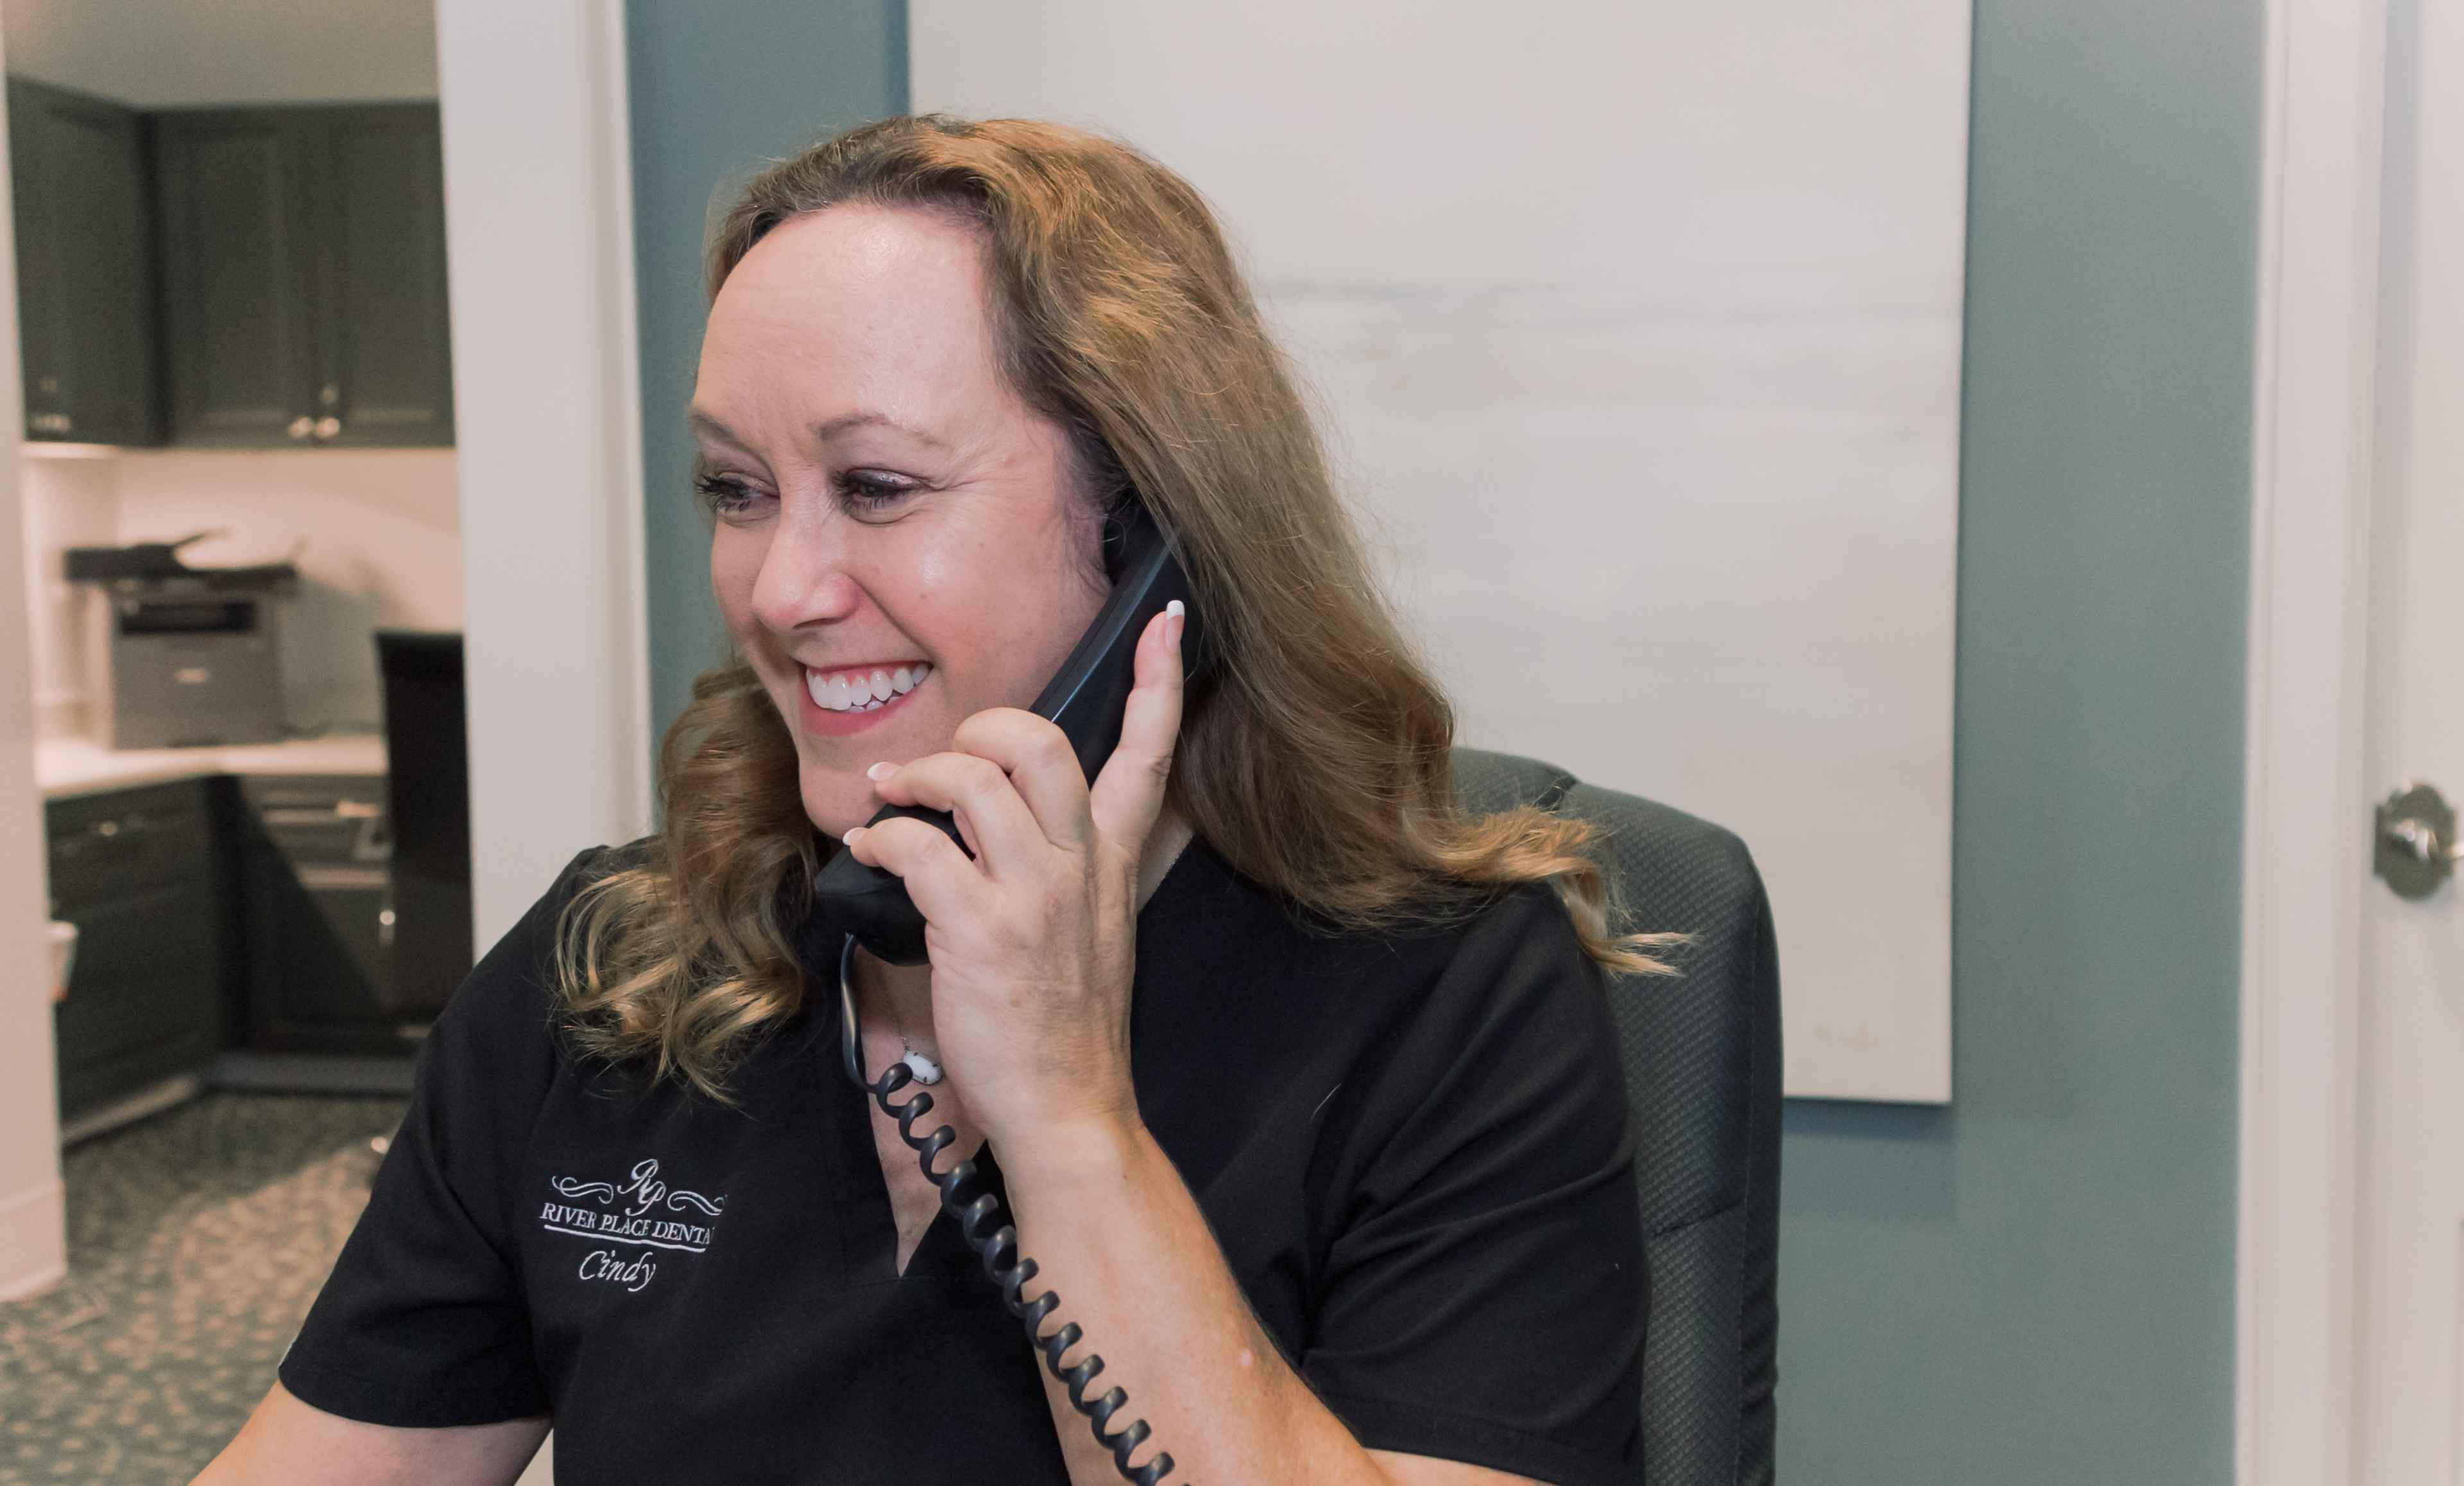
x: 383, y: 353
x: 135, y: 871
x: 318, y: 905
x: 304, y: 287
x: 86, y: 307
x: 237, y: 321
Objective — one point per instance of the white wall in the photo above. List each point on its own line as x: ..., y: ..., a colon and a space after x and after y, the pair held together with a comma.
x: 1639, y: 328
x: 66, y: 503
x: 157, y: 53
x: 33, y: 1212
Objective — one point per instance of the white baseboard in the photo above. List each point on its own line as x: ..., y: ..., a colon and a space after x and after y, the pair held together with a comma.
x: 34, y: 1234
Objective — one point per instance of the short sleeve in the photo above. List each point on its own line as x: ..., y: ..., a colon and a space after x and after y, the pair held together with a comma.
x: 1483, y: 1295
x: 423, y: 1322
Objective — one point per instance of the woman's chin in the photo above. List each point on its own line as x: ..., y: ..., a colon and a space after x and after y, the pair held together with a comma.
x: 834, y: 809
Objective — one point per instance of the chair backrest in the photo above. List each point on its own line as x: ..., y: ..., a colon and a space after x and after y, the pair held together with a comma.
x: 1702, y: 1055
x: 428, y: 781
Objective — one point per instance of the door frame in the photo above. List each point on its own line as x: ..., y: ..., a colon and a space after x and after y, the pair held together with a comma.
x: 538, y: 188
x: 2305, y: 844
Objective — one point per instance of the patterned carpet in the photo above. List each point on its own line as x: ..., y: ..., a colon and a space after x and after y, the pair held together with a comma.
x: 197, y: 1240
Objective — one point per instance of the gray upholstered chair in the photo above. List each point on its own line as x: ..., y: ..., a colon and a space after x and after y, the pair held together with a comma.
x: 1701, y: 1069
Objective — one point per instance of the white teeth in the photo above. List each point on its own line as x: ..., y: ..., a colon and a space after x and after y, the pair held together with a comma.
x: 860, y: 690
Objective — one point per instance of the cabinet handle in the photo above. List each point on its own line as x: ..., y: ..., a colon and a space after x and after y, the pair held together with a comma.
x: 330, y: 395
x: 302, y: 427
x: 328, y: 425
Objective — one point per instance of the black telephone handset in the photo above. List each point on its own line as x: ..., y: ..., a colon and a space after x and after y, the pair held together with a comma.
x: 1087, y: 697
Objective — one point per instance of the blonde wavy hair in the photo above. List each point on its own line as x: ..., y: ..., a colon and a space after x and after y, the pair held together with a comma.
x: 1316, y: 753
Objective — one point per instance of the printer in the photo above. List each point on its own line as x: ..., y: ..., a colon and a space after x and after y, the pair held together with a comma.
x: 182, y: 655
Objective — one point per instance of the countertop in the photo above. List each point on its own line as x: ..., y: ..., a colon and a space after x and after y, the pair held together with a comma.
x: 80, y: 766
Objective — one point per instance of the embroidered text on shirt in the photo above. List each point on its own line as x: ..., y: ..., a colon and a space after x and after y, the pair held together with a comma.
x: 631, y: 1213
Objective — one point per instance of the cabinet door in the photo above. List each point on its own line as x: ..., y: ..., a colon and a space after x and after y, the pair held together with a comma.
x: 86, y: 288
x: 317, y: 903
x: 144, y: 999
x: 235, y: 207
x: 135, y: 870
x: 386, y: 370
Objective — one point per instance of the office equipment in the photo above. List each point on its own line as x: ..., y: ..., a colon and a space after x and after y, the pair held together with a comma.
x: 182, y: 655
x: 1087, y: 698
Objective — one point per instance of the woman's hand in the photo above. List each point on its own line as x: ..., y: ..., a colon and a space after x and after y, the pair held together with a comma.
x: 1033, y: 942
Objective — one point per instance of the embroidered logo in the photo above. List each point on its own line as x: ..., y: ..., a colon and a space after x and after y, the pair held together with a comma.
x: 637, y: 1212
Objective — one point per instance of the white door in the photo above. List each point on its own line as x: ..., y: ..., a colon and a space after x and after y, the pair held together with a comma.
x: 2409, y: 1403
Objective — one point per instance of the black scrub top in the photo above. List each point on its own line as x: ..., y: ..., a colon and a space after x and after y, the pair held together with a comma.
x: 1413, y: 1150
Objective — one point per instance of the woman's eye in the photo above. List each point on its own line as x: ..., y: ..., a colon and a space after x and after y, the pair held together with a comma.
x: 870, y: 492
x: 726, y: 498
x: 731, y: 499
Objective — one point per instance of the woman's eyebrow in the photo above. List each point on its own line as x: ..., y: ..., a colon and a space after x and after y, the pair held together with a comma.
x: 846, y: 421
x: 699, y: 421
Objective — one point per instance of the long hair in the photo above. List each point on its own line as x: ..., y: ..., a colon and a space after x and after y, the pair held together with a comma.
x: 1314, y: 755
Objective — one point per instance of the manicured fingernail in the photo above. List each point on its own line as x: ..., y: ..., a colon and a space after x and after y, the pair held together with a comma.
x: 853, y: 832
x: 1175, y: 623
x: 882, y: 771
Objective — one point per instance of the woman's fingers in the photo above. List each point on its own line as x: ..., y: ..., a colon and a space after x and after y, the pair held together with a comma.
x: 1042, y: 766
x: 1128, y: 793
x: 946, y: 887
x: 1013, y: 777
x: 979, y: 790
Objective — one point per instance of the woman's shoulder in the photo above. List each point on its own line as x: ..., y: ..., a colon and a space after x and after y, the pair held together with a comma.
x: 1515, y: 932
x: 1513, y: 955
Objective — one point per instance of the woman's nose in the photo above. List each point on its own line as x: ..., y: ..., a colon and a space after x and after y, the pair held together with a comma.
x: 805, y: 578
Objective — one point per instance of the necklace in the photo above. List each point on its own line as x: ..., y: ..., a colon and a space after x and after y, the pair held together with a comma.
x: 922, y: 1066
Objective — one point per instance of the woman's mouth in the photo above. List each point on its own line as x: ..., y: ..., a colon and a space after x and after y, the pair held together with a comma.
x: 851, y: 699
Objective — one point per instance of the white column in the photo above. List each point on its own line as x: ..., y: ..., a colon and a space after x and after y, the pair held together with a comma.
x: 540, y: 237
x: 33, y: 1227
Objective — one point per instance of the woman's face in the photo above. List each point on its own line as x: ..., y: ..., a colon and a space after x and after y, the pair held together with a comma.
x: 889, y: 512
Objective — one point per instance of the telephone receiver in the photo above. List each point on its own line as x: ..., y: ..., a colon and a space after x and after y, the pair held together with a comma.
x: 1087, y: 698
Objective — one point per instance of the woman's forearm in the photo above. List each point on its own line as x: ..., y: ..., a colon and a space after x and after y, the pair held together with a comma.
x: 1114, y: 1229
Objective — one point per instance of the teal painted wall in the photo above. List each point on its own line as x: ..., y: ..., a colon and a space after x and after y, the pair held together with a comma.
x: 2035, y: 1285
x: 716, y: 90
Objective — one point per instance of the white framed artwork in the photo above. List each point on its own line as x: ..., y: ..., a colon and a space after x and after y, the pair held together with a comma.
x: 1636, y: 331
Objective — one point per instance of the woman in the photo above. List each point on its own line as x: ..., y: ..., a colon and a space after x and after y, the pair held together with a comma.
x: 1298, y: 1081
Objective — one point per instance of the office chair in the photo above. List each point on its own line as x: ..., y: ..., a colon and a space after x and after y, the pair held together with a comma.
x: 1702, y: 1056
x: 428, y: 782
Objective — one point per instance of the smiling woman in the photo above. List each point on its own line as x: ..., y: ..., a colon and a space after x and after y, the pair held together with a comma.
x: 1355, y: 1203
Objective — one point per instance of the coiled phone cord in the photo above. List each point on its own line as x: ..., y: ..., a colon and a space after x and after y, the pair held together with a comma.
x: 999, y: 1248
